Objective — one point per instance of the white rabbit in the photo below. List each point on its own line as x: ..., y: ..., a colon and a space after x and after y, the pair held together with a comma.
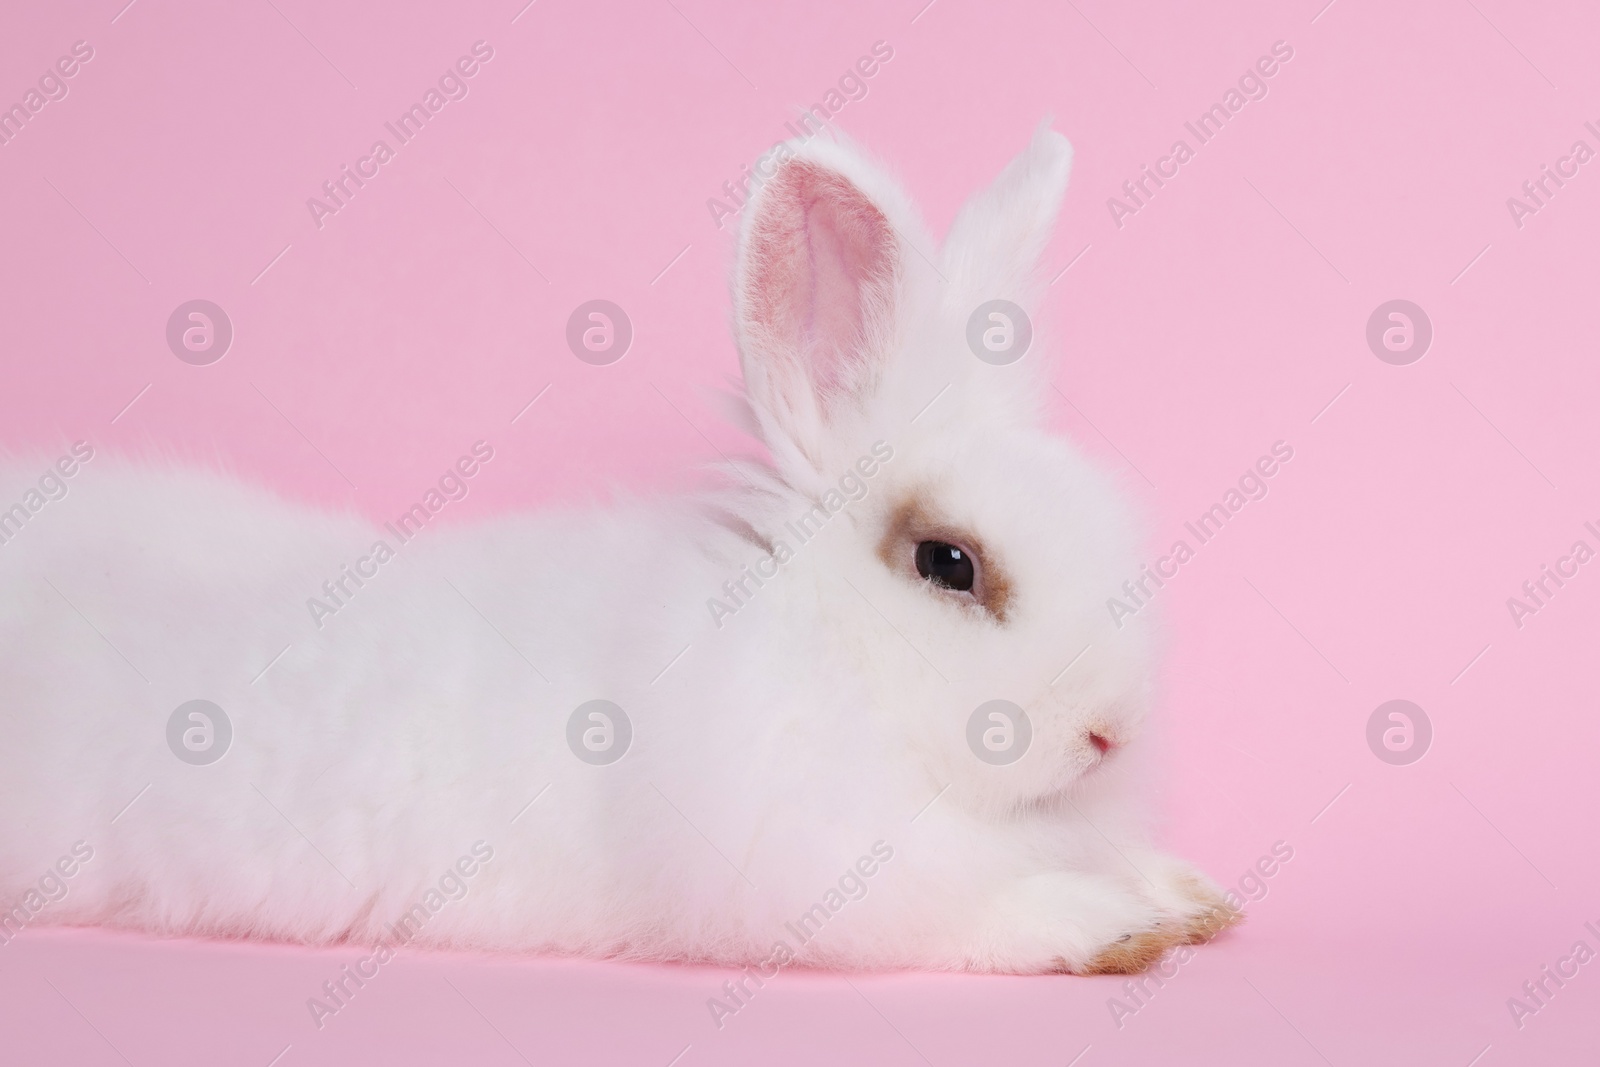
x: 799, y: 693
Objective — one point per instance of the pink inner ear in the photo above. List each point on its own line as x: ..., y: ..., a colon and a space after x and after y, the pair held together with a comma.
x: 819, y: 248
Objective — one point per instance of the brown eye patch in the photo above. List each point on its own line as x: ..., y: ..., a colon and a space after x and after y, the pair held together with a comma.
x: 926, y: 548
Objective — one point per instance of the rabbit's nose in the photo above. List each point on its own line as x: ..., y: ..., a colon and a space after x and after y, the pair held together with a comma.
x: 1101, y: 743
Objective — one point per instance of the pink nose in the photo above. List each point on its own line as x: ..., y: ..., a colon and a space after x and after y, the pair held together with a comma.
x: 1100, y: 743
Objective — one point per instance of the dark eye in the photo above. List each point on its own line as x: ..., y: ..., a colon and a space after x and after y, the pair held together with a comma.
x: 945, y: 564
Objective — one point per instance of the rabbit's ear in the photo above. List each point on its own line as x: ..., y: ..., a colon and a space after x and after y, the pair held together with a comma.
x: 819, y: 279
x: 996, y: 240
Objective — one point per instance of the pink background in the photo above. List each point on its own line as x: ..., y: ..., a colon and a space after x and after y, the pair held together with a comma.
x: 1225, y: 315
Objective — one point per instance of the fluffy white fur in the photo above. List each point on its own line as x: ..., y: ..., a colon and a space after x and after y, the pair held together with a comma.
x: 821, y: 718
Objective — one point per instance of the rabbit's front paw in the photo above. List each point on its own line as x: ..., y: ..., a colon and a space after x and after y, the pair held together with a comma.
x: 1210, y: 914
x: 1078, y: 923
x: 1132, y: 953
x: 1191, y: 899
x: 1086, y: 923
x: 1194, y: 910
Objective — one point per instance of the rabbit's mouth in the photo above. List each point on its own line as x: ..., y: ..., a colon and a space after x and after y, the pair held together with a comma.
x: 1097, y: 746
x: 1100, y: 741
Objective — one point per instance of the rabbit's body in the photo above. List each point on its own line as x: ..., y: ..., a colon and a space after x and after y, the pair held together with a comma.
x: 783, y: 726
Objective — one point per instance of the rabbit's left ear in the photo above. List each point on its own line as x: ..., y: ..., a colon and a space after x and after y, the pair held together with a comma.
x: 818, y: 292
x: 997, y: 239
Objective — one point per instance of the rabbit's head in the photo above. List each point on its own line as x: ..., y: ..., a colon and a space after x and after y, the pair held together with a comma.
x: 976, y: 564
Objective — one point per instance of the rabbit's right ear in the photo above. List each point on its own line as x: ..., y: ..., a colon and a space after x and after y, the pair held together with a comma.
x: 819, y: 279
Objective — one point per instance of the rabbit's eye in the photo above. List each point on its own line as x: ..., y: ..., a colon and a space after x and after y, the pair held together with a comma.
x: 920, y: 546
x: 945, y: 564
